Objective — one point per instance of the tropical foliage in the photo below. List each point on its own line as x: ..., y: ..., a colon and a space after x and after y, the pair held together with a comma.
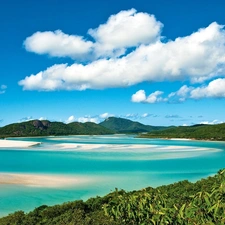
x: 121, y: 125
x: 200, y: 132
x: 46, y: 128
x: 180, y: 203
x: 110, y: 126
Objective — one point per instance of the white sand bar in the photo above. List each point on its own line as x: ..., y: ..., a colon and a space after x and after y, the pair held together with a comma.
x: 17, y: 144
x: 37, y: 180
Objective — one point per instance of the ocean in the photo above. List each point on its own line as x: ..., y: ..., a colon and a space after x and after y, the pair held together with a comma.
x: 69, y: 168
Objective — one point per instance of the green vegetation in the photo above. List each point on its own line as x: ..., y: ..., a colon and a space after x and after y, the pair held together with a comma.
x: 110, y: 126
x: 120, y: 125
x: 180, y: 203
x: 46, y: 128
x: 199, y: 132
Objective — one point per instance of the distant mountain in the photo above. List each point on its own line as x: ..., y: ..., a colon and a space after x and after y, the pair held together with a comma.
x: 120, y: 125
x: 110, y: 126
x: 46, y: 128
x: 198, y: 131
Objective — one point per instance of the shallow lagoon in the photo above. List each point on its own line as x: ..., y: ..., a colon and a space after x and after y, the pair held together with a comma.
x: 104, y: 162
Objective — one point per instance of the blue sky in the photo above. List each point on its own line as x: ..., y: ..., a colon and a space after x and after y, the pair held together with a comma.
x: 158, y: 62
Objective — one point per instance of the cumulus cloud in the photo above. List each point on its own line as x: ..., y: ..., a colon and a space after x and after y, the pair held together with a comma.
x: 140, y: 96
x: 181, y: 95
x: 3, y: 89
x: 70, y: 119
x: 182, y: 92
x: 215, y: 89
x: 88, y: 119
x: 105, y: 115
x: 197, y: 58
x: 123, y: 30
x: 58, y: 44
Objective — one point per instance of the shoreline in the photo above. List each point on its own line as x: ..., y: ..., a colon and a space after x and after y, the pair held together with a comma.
x: 182, y: 139
x: 137, y: 136
x: 17, y: 144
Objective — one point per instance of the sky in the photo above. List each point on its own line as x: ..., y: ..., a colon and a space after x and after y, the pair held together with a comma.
x: 158, y: 62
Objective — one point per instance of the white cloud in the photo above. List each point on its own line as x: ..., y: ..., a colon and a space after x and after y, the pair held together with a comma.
x: 181, y: 95
x: 3, y: 89
x: 215, y: 89
x: 105, y: 115
x: 88, y: 119
x: 183, y: 91
x: 154, y: 97
x: 42, y: 118
x: 139, y: 96
x: 145, y: 115
x: 197, y: 57
x: 58, y: 44
x: 123, y: 30
x: 70, y: 119
x: 212, y: 122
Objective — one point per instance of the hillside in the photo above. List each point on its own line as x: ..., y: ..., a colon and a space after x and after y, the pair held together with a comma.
x: 199, y: 132
x: 110, y: 126
x: 46, y: 128
x: 180, y: 203
x: 120, y: 125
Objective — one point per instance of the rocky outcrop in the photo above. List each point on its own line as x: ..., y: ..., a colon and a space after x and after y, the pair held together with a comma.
x: 42, y: 125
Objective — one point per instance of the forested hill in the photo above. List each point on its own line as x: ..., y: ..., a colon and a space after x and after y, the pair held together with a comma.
x: 46, y: 128
x: 110, y: 126
x: 120, y: 125
x: 199, y: 132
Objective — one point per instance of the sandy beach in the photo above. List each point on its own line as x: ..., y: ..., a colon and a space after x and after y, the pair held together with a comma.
x: 17, y: 144
x: 38, y: 180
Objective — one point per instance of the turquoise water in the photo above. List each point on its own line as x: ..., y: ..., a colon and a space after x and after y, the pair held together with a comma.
x: 116, y: 161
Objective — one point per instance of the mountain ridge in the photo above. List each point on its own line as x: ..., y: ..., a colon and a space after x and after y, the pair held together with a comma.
x: 113, y: 125
x: 47, y: 128
x: 121, y: 125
